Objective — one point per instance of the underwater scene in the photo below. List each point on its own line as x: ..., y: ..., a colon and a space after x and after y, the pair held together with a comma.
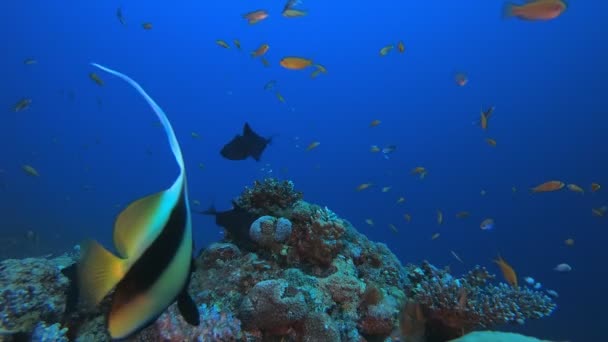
x: 302, y: 170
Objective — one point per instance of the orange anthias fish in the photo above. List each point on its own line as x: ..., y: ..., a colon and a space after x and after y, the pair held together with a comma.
x: 549, y: 186
x: 507, y: 271
x: 261, y: 51
x: 401, y: 47
x: 485, y: 116
x: 595, y: 187
x: 536, y: 10
x: 255, y: 16
x: 461, y: 79
x: 295, y: 63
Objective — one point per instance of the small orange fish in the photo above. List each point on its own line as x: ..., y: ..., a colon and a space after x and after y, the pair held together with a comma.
x: 569, y: 242
x: 363, y: 186
x: 260, y: 51
x: 536, y: 10
x: 147, y: 26
x: 313, y: 145
x: 295, y: 63
x: 549, y: 186
x: 507, y: 271
x: 595, y: 187
x: 418, y: 170
x: 485, y: 116
x: 575, y: 188
x: 491, y: 142
x: 461, y: 79
x: 256, y: 16
x: 401, y: 47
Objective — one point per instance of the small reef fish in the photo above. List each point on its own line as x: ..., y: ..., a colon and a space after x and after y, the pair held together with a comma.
x: 260, y: 51
x: 147, y: 26
x: 407, y: 218
x: 575, y: 188
x: 386, y: 189
x: 457, y: 257
x: 461, y: 79
x: 562, y: 268
x: 599, y: 212
x: 552, y: 293
x: 375, y: 123
x: 237, y: 43
x: 400, y: 47
x: 462, y: 214
x: 256, y: 16
x: 30, y: 170
x: 30, y: 61
x: 400, y: 200
x: 483, y: 192
x: 369, y: 222
x: 95, y: 78
x: 508, y: 272
x: 419, y: 170
x: 143, y: 237
x: 22, y: 105
x: 386, y: 151
x: 549, y: 186
x: 245, y: 145
x: 536, y: 10
x: 294, y: 13
x: 280, y: 97
x: 270, y: 85
x: 195, y: 135
x: 312, y: 145
x: 485, y: 116
x: 363, y: 186
x: 121, y: 17
x: 491, y: 142
x: 595, y: 187
x: 439, y: 217
x: 320, y: 70
x: 529, y: 280
x: 201, y: 166
x: 265, y: 62
x: 385, y: 50
x: 393, y: 228
x: 295, y: 63
x: 222, y: 43
x: 569, y: 242
x: 487, y: 224
x: 435, y: 236
x: 374, y: 149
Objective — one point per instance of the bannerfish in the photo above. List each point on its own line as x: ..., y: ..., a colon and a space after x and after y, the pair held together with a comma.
x: 250, y: 144
x: 153, y: 238
x: 236, y: 221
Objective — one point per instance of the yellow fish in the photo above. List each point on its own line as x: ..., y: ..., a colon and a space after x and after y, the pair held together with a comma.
x: 313, y: 145
x: 153, y: 239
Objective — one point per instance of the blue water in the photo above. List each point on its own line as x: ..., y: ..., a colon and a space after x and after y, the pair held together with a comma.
x: 546, y: 79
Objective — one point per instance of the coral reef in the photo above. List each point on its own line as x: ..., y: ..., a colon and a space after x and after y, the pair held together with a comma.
x: 52, y: 333
x: 300, y: 273
x: 31, y: 290
x: 454, y: 305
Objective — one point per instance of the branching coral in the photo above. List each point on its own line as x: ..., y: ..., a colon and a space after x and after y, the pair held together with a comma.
x: 456, y: 305
x: 269, y: 197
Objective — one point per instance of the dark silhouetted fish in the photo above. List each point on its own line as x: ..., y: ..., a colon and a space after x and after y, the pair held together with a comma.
x: 235, y: 221
x: 250, y: 144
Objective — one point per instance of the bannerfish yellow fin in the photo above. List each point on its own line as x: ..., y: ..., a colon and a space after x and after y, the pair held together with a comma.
x: 98, y: 272
x: 138, y: 225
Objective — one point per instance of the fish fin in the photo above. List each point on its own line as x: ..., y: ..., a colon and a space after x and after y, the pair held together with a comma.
x: 138, y: 225
x: 247, y: 130
x: 187, y: 308
x: 99, y: 271
x: 507, y: 10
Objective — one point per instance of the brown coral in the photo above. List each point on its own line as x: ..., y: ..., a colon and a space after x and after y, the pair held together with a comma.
x: 269, y: 197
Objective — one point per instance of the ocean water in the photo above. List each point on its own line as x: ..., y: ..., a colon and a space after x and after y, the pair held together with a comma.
x: 98, y: 148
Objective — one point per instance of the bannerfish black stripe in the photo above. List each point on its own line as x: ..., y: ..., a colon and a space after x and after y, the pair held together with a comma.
x: 148, y: 268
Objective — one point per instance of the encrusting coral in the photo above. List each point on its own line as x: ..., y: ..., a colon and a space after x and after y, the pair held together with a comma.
x: 304, y: 274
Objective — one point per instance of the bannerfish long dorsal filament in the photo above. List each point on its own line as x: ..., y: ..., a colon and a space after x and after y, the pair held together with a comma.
x: 153, y: 238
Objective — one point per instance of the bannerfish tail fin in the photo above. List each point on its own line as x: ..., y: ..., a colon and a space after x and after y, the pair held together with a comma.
x: 175, y: 148
x: 187, y: 308
x: 98, y: 272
